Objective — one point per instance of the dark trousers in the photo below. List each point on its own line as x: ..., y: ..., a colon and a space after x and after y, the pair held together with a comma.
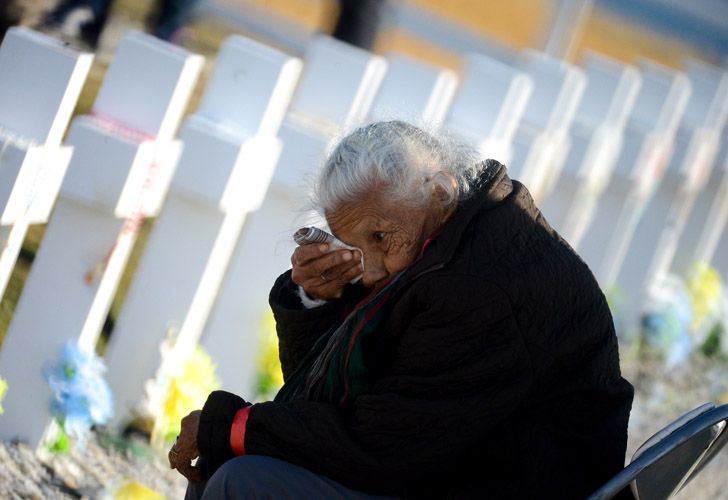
x: 258, y: 476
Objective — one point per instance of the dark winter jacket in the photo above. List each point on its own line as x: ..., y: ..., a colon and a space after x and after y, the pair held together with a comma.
x: 495, y: 371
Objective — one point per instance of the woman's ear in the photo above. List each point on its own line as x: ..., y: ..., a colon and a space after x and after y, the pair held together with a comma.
x: 439, y: 192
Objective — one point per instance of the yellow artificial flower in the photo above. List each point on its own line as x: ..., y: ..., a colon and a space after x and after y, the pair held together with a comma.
x: 705, y: 287
x: 3, y: 390
x: 270, y: 375
x: 133, y: 490
x: 187, y: 391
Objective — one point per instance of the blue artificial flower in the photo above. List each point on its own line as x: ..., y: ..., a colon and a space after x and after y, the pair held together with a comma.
x: 81, y: 397
x: 666, y: 322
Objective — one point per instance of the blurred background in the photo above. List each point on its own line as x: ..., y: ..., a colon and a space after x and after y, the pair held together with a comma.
x: 441, y: 33
x: 666, y: 31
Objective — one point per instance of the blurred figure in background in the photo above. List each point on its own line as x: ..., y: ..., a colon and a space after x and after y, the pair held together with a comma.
x: 85, y: 19
x: 10, y: 13
x: 359, y: 22
x: 15, y: 12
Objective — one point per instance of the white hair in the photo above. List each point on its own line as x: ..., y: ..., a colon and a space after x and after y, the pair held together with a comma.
x: 398, y: 160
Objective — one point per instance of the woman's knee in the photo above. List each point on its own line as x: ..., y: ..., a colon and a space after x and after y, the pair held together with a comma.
x: 240, y: 477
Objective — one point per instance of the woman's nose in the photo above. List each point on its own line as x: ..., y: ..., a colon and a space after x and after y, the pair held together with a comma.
x: 373, y: 273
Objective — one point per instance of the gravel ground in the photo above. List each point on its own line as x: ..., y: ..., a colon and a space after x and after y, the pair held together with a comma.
x: 92, y: 471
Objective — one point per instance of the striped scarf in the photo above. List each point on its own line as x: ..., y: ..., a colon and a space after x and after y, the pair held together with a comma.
x: 334, y: 370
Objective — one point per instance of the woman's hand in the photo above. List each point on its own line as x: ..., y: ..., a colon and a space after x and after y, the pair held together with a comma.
x: 184, y: 450
x: 323, y: 274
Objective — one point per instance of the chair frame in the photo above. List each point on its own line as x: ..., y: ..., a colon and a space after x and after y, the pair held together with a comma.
x: 667, y: 445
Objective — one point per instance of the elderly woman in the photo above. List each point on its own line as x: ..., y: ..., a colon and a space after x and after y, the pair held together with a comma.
x: 476, y: 357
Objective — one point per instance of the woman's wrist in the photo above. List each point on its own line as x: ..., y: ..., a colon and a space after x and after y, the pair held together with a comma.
x: 307, y: 301
x: 213, y: 434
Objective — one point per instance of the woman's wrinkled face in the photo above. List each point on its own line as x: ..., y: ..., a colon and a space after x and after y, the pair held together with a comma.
x: 389, y: 235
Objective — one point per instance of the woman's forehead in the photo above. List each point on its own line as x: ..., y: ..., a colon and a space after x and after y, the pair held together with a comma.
x: 355, y: 216
x: 364, y: 214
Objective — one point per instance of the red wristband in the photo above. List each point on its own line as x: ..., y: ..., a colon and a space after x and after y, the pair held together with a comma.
x: 237, y: 431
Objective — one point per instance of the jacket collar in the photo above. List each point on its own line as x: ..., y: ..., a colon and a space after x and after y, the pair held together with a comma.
x: 489, y: 189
